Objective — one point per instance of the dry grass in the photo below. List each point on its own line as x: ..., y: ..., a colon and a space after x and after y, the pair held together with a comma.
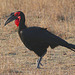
x: 58, y: 16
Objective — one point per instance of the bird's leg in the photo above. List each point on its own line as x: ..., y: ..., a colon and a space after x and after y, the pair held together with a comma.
x: 39, y: 61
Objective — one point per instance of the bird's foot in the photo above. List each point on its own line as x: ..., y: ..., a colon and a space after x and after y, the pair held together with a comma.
x: 38, y: 67
x: 38, y: 64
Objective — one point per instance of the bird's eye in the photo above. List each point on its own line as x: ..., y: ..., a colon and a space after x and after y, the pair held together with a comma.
x: 17, y: 14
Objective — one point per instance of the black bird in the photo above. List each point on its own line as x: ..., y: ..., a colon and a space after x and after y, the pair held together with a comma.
x: 35, y: 38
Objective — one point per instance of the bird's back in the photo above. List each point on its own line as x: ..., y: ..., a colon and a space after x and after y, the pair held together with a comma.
x: 36, y: 37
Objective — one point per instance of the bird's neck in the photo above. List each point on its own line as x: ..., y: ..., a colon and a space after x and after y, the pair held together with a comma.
x: 22, y: 24
x: 21, y: 27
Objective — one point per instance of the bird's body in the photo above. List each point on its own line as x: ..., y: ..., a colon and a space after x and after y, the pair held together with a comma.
x: 31, y: 37
x: 37, y: 39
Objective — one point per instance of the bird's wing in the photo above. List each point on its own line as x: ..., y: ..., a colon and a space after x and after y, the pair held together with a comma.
x: 35, y: 34
x: 38, y: 34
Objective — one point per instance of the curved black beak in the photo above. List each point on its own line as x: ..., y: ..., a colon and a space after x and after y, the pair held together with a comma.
x: 11, y: 18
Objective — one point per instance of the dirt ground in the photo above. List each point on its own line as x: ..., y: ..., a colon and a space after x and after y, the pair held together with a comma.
x: 16, y: 59
x: 56, y: 15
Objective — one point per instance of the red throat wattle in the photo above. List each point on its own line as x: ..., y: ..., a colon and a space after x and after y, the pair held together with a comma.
x: 17, y: 21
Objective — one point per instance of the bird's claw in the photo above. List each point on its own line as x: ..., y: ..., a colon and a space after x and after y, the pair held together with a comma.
x: 38, y: 67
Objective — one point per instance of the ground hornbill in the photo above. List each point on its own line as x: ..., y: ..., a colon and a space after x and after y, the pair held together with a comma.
x: 35, y: 38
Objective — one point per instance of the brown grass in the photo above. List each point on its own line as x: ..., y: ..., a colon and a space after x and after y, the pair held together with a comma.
x: 58, y: 16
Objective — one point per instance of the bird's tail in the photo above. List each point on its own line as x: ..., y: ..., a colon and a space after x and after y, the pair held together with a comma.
x: 71, y: 46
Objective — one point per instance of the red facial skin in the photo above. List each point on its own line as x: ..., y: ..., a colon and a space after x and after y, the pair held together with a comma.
x: 17, y: 14
x: 17, y: 21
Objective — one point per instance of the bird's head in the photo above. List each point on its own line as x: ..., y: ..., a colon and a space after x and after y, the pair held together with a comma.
x: 17, y: 16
